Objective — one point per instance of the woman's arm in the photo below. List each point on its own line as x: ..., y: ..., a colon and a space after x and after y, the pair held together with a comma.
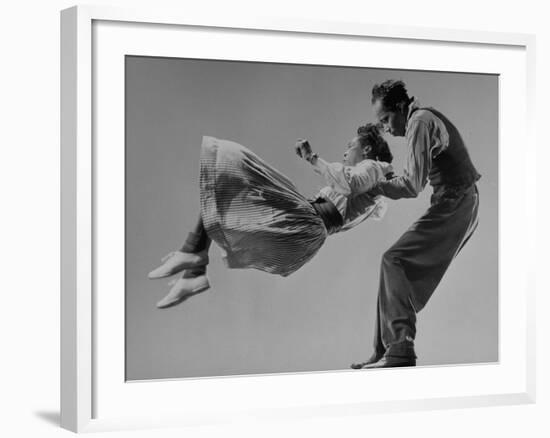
x: 346, y: 180
x: 352, y: 180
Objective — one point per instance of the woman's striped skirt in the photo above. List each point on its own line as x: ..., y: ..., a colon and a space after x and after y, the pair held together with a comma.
x: 254, y: 212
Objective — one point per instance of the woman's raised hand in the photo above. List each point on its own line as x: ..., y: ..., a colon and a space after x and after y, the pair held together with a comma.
x: 303, y: 149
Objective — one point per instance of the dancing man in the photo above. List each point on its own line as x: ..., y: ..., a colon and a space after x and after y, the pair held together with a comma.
x: 413, y: 267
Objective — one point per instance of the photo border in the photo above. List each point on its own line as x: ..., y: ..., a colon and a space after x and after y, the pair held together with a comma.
x: 78, y: 200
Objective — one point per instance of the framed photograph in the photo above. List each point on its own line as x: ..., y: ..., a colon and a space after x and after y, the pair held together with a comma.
x: 265, y: 161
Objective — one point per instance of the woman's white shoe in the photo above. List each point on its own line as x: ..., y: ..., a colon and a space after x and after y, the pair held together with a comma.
x: 182, y: 289
x: 177, y: 261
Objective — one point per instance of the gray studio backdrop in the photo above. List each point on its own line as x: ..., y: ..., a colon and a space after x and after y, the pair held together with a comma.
x: 321, y: 317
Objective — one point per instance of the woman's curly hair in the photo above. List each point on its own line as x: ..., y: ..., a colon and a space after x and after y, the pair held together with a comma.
x: 369, y: 135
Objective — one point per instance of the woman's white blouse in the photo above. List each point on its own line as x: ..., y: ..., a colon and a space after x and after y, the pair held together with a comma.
x: 346, y: 183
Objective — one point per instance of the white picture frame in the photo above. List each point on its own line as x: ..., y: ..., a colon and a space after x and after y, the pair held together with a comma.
x: 93, y: 396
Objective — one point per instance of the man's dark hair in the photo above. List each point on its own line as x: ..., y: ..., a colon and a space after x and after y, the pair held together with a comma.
x: 391, y: 93
x: 369, y: 135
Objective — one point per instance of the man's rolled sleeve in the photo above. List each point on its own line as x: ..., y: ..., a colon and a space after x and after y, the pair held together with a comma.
x: 417, y: 167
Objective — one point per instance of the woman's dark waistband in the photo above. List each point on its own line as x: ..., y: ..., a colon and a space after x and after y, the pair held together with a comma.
x: 329, y: 214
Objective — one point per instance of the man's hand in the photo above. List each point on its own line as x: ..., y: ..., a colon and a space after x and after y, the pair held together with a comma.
x: 376, y: 190
x: 303, y: 149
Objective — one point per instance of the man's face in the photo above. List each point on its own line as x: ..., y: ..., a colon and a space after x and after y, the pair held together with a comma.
x: 394, y: 122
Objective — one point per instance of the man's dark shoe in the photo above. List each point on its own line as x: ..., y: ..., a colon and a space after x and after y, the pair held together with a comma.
x: 373, y: 359
x: 392, y: 362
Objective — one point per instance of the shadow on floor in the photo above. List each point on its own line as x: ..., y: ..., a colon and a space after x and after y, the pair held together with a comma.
x: 52, y: 417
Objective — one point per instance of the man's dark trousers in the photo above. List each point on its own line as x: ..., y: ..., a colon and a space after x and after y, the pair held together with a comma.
x: 413, y: 267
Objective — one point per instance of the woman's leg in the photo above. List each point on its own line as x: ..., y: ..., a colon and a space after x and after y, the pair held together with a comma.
x: 197, y: 241
x: 193, y: 256
x: 193, y: 280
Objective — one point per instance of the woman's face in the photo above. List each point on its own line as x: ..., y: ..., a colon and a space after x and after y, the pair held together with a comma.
x: 354, y: 153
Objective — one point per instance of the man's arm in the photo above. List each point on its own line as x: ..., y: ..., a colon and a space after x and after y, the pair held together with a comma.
x: 417, y: 167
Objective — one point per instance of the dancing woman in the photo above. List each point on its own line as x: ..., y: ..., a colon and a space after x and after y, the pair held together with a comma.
x: 258, y: 218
